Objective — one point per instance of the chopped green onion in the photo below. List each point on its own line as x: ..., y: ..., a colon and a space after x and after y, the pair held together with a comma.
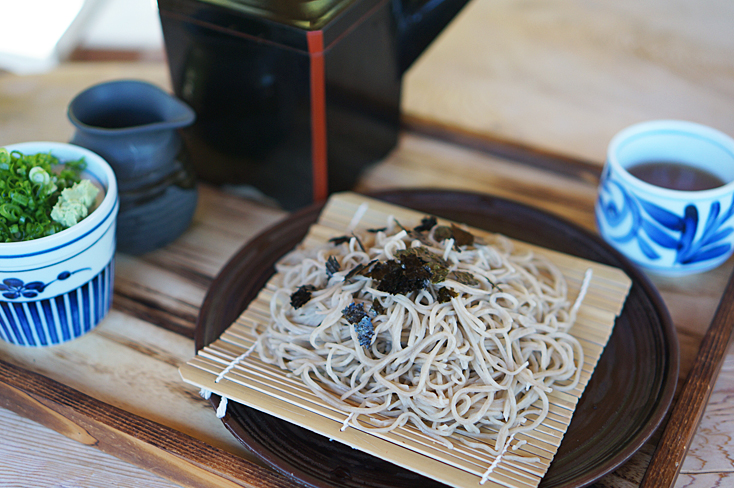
x: 30, y: 185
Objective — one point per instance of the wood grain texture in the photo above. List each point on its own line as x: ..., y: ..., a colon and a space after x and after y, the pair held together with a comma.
x: 693, y: 398
x: 566, y: 75
x: 166, y: 287
x: 421, y: 162
x: 33, y: 108
x: 132, y: 366
x: 710, y: 458
x: 154, y: 447
x: 23, y: 465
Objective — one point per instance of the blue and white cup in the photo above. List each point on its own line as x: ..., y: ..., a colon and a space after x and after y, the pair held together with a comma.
x: 657, y: 225
x: 58, y: 288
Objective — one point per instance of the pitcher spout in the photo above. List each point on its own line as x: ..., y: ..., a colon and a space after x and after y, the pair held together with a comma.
x: 128, y: 106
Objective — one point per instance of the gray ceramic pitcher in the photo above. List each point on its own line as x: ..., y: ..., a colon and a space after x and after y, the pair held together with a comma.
x: 134, y: 126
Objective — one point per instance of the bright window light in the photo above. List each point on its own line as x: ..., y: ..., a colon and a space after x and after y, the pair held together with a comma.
x: 33, y: 31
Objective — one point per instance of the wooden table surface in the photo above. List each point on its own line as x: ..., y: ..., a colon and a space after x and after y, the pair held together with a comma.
x: 552, y: 79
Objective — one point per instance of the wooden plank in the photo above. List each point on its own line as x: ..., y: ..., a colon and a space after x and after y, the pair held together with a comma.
x: 159, y: 449
x: 565, y: 76
x: 68, y: 463
x: 709, y: 456
x: 692, y: 400
x: 133, y: 366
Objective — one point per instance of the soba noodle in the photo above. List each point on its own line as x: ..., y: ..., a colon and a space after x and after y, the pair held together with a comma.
x: 477, y: 359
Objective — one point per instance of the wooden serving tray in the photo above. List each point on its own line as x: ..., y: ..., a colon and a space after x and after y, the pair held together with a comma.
x: 105, y: 390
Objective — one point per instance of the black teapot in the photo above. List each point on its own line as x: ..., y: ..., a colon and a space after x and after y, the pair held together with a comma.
x: 294, y: 97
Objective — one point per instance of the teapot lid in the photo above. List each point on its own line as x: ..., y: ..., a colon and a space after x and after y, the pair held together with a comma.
x: 305, y: 14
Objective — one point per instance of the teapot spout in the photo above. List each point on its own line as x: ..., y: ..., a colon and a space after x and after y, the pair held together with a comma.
x: 418, y: 24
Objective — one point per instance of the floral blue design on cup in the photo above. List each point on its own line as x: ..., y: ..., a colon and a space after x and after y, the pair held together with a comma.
x: 13, y: 288
x: 665, y: 230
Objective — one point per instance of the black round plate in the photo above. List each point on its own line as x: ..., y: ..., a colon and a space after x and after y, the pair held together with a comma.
x: 624, y: 402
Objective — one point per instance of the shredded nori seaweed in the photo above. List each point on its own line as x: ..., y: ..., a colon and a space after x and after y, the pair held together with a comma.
x: 446, y: 294
x: 403, y: 275
x: 437, y: 265
x: 339, y: 240
x: 427, y: 223
x: 442, y: 233
x: 359, y: 243
x: 360, y: 319
x: 332, y: 266
x: 400, y: 225
x: 377, y: 307
x: 302, y: 295
x: 464, y: 277
x: 365, y: 331
x: 359, y: 269
x: 354, y: 312
x: 461, y: 237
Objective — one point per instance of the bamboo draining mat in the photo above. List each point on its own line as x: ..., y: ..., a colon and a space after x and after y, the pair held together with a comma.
x: 227, y: 368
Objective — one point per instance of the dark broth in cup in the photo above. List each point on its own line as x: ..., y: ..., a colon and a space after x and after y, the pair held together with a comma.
x: 675, y: 176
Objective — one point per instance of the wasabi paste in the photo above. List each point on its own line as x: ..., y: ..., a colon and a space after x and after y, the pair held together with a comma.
x: 74, y: 203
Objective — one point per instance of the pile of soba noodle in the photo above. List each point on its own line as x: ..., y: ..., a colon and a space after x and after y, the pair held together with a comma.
x: 480, y: 362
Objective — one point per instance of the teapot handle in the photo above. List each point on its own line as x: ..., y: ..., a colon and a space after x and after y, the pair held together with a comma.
x: 419, y: 22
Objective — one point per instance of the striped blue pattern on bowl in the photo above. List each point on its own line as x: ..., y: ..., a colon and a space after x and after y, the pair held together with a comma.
x: 61, y: 318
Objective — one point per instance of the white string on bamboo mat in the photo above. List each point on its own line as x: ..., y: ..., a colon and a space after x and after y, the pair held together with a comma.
x: 358, y: 214
x: 345, y: 424
x: 497, y: 460
x: 582, y: 293
x: 222, y: 408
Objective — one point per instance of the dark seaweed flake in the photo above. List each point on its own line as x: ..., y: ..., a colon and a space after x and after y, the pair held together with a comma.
x: 401, y: 277
x: 420, y: 237
x: 339, y: 240
x: 332, y: 266
x: 446, y: 294
x: 354, y: 312
x: 464, y: 277
x: 461, y: 237
x: 365, y: 331
x: 302, y: 295
x: 377, y: 307
x: 356, y: 315
x: 359, y: 243
x: 442, y: 233
x: 360, y: 269
x: 427, y: 223
x: 492, y: 284
x: 437, y: 265
x: 400, y: 225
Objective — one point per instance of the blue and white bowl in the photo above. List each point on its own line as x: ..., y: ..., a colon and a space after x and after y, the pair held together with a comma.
x: 666, y: 231
x: 57, y: 288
